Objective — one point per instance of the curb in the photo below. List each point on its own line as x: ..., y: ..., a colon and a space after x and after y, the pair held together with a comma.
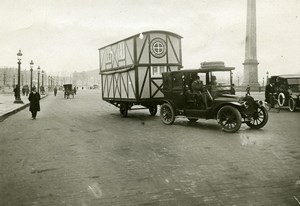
x: 4, y: 116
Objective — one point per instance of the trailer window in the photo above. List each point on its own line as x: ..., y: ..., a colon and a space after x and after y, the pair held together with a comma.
x: 121, y: 50
x: 156, y: 71
x: 108, y: 56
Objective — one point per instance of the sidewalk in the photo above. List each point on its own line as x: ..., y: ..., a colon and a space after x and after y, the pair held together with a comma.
x: 8, y: 107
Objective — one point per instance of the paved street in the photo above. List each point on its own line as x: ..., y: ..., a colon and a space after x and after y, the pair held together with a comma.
x: 82, y: 152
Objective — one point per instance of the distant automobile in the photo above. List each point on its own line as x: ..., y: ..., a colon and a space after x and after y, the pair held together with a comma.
x: 287, y: 88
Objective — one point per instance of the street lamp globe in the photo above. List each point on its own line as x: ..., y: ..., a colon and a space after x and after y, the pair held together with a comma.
x: 19, y: 54
x: 31, y: 64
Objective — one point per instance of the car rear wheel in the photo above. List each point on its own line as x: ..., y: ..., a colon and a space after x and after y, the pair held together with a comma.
x: 124, y: 109
x: 281, y: 99
x: 153, y: 110
x: 292, y: 105
x: 229, y: 118
x: 259, y: 118
x: 167, y: 114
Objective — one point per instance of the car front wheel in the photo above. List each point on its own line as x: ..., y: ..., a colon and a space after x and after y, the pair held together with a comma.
x: 259, y: 118
x: 167, y: 114
x: 229, y: 118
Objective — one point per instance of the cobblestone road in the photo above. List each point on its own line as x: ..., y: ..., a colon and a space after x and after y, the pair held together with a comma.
x: 81, y: 152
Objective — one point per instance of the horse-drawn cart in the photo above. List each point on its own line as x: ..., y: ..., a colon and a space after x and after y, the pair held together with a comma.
x: 68, y: 91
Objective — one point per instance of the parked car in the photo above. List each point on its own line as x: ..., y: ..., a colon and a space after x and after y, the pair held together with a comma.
x: 229, y: 110
x: 287, y: 88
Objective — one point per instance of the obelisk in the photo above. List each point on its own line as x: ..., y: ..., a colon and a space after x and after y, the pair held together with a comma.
x: 250, y: 63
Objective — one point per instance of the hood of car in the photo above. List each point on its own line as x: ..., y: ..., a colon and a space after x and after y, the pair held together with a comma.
x: 227, y: 98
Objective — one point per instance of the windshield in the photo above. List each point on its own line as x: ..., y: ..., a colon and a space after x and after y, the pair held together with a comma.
x: 220, y: 78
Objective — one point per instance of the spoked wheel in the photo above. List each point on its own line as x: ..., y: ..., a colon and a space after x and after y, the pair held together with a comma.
x: 153, y: 110
x: 193, y: 119
x: 292, y: 105
x: 124, y: 109
x: 167, y: 114
x: 259, y: 118
x: 229, y: 118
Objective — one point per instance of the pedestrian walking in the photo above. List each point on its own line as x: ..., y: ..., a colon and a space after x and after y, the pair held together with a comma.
x: 74, y: 90
x: 23, y: 90
x: 248, y: 90
x: 26, y: 90
x: 34, y: 99
x: 16, y: 91
x: 55, y: 91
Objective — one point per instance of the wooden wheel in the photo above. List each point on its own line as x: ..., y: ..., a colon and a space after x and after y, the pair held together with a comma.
x: 229, y: 118
x: 124, y: 109
x: 259, y: 118
x: 153, y: 110
x: 167, y: 114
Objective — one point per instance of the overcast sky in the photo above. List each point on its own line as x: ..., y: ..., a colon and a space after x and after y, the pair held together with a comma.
x: 64, y: 35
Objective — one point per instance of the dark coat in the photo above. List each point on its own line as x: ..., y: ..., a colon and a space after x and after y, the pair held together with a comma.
x: 34, y: 101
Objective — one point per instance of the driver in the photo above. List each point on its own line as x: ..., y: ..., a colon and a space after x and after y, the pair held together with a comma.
x: 197, y: 87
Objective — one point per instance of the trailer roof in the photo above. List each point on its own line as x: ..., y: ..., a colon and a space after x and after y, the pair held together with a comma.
x: 203, y: 70
x: 146, y: 32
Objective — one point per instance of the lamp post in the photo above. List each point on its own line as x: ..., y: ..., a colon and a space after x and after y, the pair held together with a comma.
x: 31, y: 69
x: 38, y: 69
x: 14, y: 80
x: 18, y: 97
x: 23, y: 78
x: 263, y: 81
x: 42, y: 90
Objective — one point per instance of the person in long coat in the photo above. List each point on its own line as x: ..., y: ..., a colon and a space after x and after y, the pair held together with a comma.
x: 34, y: 99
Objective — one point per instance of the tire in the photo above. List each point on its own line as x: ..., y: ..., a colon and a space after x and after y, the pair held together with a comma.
x: 292, y: 105
x: 167, y: 114
x: 193, y: 119
x: 124, y: 109
x: 229, y: 118
x: 259, y: 118
x: 153, y: 110
x: 281, y: 99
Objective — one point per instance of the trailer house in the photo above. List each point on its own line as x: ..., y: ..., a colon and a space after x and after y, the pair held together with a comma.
x: 131, y: 69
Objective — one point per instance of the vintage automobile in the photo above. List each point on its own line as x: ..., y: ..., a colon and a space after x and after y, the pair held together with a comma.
x: 287, y: 88
x: 68, y: 91
x: 229, y: 110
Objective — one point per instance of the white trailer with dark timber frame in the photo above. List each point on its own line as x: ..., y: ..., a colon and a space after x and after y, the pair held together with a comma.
x: 131, y: 69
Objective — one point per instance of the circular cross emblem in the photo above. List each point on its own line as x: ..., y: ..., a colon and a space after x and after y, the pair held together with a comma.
x: 158, y: 47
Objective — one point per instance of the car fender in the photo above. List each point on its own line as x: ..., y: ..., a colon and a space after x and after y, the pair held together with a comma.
x: 168, y: 101
x: 294, y: 95
x: 237, y: 105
